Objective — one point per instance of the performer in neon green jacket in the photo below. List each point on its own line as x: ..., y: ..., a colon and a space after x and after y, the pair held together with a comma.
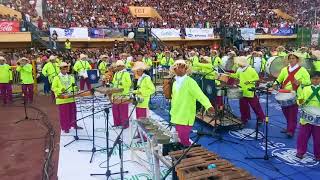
x: 316, y: 63
x: 258, y: 62
x: 309, y: 97
x: 81, y: 67
x: 122, y: 80
x: 5, y: 80
x: 145, y: 88
x: 167, y: 60
x: 281, y: 51
x: 51, y: 69
x: 248, y: 78
x: 25, y: 69
x: 65, y: 84
x: 291, y: 78
x: 103, y: 66
x: 185, y: 93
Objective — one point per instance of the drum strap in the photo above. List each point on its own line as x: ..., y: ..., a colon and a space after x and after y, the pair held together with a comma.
x: 141, y: 81
x: 315, y: 93
x: 290, y: 78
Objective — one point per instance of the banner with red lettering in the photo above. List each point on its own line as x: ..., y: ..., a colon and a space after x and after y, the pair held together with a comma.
x: 9, y: 26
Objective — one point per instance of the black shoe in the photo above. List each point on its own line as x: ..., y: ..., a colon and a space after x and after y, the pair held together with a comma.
x: 284, y: 131
x: 78, y: 127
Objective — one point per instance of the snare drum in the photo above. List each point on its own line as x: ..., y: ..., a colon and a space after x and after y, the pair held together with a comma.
x: 167, y: 86
x: 286, y: 99
x: 275, y: 65
x: 234, y: 93
x: 311, y: 115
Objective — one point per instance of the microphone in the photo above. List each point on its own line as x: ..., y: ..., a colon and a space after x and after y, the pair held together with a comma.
x: 203, y: 133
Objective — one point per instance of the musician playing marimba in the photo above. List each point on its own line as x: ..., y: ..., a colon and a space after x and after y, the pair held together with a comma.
x: 310, y: 97
x: 145, y: 88
x: 65, y: 84
x: 81, y: 67
x: 316, y: 62
x: 290, y: 78
x: 25, y: 69
x: 167, y: 60
x: 185, y: 93
x: 248, y: 78
x: 121, y: 79
x: 281, y: 51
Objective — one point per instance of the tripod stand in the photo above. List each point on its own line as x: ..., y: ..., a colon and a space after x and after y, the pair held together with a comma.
x: 76, y: 137
x: 94, y: 149
x: 266, y: 156
x: 220, y: 114
x: 25, y: 111
x: 118, y: 142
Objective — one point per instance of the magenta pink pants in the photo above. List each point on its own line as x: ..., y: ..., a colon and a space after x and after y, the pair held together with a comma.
x: 291, y: 113
x: 183, y: 134
x: 141, y: 113
x: 27, y: 90
x: 303, y: 137
x: 245, y: 104
x: 83, y: 82
x: 121, y: 115
x: 68, y: 115
x: 6, y: 92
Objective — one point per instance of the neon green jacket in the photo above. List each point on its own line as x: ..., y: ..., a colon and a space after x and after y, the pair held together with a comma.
x: 147, y: 61
x: 248, y: 75
x: 166, y: 61
x: 159, y: 56
x: 26, y: 74
x: 183, y: 104
x: 63, y: 84
x: 206, y: 69
x: 282, y: 54
x: 304, y: 95
x: 302, y: 75
x: 122, y: 80
x: 50, y: 70
x: 5, y: 73
x: 216, y: 61
x: 263, y: 63
x: 127, y: 63
x: 316, y: 65
x: 103, y: 67
x: 145, y: 90
x: 81, y: 65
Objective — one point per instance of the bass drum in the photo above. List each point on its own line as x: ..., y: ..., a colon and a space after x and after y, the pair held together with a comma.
x: 227, y: 63
x: 308, y: 64
x: 274, y: 65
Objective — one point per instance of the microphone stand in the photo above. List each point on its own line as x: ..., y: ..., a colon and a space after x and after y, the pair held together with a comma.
x: 119, y: 142
x: 76, y: 137
x: 266, y: 155
x: 26, y: 117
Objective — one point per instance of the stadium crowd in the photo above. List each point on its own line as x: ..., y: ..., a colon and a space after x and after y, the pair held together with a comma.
x: 187, y: 13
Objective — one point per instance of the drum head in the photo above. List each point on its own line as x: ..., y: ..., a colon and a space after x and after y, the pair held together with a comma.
x: 308, y: 64
x: 274, y: 65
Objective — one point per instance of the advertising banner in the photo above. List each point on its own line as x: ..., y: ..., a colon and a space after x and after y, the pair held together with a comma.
x: 248, y: 34
x: 199, y: 33
x: 105, y: 33
x: 284, y: 31
x: 71, y: 32
x: 9, y: 26
x: 166, y: 33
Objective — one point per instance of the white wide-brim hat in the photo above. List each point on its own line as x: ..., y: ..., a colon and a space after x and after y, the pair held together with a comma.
x: 139, y: 66
x: 178, y: 63
x: 241, y: 60
x: 64, y: 64
x: 23, y: 59
x: 52, y: 57
x: 82, y: 56
x: 119, y: 63
x: 2, y: 58
x: 316, y: 54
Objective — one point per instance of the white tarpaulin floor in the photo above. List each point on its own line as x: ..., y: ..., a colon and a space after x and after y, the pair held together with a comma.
x: 75, y: 165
